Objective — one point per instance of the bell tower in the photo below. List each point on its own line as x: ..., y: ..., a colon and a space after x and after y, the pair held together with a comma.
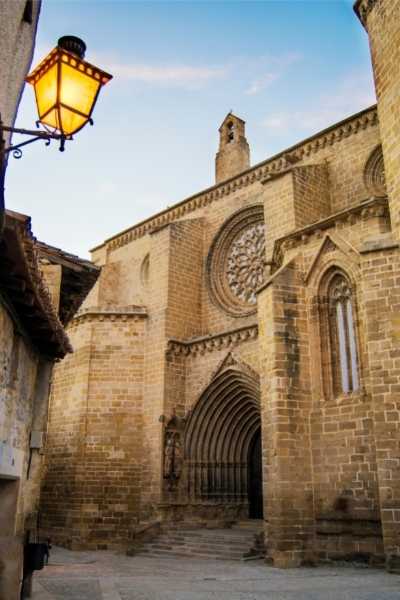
x: 233, y: 155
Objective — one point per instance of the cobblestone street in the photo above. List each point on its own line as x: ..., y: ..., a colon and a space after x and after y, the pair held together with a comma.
x: 112, y: 576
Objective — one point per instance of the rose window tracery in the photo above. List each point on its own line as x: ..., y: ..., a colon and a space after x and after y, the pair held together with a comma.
x: 246, y: 263
x: 236, y: 265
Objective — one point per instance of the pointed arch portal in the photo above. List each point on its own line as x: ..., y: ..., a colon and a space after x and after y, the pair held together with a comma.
x: 223, y: 442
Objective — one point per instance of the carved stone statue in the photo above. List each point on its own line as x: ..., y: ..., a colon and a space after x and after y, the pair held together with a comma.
x: 173, y: 450
x: 169, y: 452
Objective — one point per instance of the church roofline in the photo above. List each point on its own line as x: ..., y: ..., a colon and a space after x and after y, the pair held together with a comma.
x: 257, y: 171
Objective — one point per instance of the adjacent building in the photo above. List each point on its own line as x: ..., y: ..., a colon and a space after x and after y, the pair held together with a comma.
x: 40, y: 287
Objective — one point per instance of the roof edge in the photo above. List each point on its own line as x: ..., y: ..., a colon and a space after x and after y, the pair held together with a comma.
x: 272, y: 158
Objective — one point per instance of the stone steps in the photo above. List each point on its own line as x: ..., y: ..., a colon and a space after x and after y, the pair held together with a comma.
x: 241, y: 541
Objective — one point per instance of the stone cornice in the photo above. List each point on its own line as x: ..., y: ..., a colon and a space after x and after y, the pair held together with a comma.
x: 97, y: 313
x: 209, y: 343
x: 362, y: 8
x: 275, y: 164
x: 374, y: 207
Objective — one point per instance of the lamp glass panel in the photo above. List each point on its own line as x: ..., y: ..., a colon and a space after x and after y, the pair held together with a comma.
x: 51, y: 119
x: 46, y: 90
x: 70, y: 121
x: 78, y: 90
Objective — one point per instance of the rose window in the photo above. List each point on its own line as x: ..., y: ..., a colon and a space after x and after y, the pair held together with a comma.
x: 246, y: 263
x: 236, y: 263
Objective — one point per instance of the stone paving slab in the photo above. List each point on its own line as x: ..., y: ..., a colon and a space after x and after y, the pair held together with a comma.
x: 77, y: 589
x: 113, y: 576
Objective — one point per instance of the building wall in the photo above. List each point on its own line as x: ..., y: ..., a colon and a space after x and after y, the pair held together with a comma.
x: 164, y: 266
x: 96, y: 438
x: 24, y: 375
x: 382, y: 21
x: 25, y: 380
x: 330, y: 461
x: 124, y: 254
x: 345, y: 431
x: 17, y: 38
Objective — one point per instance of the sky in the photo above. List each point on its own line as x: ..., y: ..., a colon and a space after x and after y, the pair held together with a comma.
x: 288, y: 68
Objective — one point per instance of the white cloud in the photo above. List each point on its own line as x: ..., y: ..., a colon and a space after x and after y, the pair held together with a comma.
x: 255, y: 74
x: 181, y: 75
x: 352, y: 94
x: 260, y: 84
x: 274, y: 68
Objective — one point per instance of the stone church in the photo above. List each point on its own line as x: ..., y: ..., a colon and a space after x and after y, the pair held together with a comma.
x: 239, y: 355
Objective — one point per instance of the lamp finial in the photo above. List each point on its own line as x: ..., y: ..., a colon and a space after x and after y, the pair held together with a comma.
x: 73, y: 44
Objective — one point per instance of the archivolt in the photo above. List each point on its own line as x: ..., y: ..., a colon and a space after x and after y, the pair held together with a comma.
x: 218, y: 435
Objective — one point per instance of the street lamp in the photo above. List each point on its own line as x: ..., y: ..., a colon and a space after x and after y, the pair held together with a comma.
x: 66, y: 87
x: 66, y: 90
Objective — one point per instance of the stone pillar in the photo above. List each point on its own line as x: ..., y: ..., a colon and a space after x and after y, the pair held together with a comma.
x: 382, y: 335
x: 381, y: 18
x: 61, y: 496
x: 285, y: 410
x: 91, y: 494
x: 174, y: 313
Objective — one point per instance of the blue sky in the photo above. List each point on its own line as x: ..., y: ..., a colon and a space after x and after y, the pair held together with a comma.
x: 289, y: 68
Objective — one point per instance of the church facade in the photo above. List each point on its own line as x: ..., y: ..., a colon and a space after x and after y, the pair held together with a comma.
x: 239, y: 356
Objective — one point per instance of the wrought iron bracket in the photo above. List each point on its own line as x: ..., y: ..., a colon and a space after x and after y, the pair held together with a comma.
x: 35, y: 136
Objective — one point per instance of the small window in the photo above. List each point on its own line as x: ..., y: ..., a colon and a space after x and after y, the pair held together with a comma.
x: 27, y: 17
x: 231, y: 133
x: 342, y: 333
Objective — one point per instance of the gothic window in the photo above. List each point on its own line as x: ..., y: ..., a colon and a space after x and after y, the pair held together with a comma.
x: 341, y: 329
x: 374, y: 173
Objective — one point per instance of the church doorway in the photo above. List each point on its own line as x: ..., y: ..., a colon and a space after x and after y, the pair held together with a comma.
x: 223, y: 444
x: 254, y: 470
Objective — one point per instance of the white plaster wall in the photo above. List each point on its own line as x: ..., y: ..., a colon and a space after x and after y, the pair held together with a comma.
x: 17, y: 40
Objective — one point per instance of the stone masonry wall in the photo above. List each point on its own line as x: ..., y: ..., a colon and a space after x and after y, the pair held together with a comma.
x: 174, y: 312
x: 285, y: 417
x: 356, y: 137
x: 66, y: 440
x: 347, y: 188
x: 382, y: 323
x: 382, y: 21
x: 164, y: 271
x: 345, y: 431
x: 311, y: 193
x: 95, y: 440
